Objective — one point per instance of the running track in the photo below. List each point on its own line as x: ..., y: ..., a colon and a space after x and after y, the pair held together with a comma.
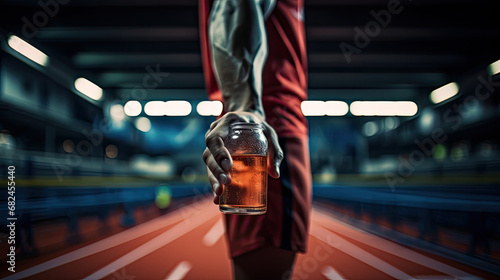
x: 189, y: 243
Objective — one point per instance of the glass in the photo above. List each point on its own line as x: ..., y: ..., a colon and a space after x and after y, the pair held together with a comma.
x: 247, y: 192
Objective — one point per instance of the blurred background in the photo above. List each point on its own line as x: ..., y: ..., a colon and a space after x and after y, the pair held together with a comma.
x: 103, y: 113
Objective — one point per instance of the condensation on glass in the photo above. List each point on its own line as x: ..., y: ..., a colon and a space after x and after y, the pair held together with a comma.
x: 247, y: 192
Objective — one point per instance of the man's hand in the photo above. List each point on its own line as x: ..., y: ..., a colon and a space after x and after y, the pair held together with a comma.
x: 218, y: 159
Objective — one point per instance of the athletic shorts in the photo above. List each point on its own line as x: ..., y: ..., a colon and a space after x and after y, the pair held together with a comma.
x: 285, y: 224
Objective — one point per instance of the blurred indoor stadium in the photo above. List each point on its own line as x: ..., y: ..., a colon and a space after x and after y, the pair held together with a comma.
x: 103, y: 113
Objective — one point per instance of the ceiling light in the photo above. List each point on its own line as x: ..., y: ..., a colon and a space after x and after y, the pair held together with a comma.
x: 209, y: 108
x: 133, y: 108
x: 336, y: 108
x: 177, y: 108
x: 443, y: 93
x: 313, y: 108
x: 384, y: 108
x: 28, y: 50
x: 494, y: 68
x: 88, y: 88
x: 155, y: 108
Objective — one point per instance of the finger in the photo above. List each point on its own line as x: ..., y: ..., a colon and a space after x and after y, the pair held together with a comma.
x: 212, y: 127
x: 216, y: 186
x: 221, y: 155
x: 214, y: 167
x: 274, y: 151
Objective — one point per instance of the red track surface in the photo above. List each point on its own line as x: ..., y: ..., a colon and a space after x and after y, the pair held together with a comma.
x: 189, y: 244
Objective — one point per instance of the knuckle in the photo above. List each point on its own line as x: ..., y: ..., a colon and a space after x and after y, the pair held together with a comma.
x: 219, y: 155
x: 209, y: 140
x: 206, y: 155
x: 213, y: 125
x: 216, y: 171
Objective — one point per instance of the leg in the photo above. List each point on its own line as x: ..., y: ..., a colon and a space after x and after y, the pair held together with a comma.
x: 264, y: 263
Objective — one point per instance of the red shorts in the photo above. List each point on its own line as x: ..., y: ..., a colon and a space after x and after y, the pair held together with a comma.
x: 286, y: 222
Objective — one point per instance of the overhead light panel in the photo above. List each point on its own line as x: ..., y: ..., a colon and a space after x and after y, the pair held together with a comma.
x: 155, y: 108
x: 177, y: 108
x: 88, y: 88
x: 313, y: 108
x: 494, y: 68
x: 209, y: 108
x: 28, y: 50
x: 336, y: 108
x: 444, y: 93
x: 132, y: 108
x: 143, y: 124
x: 384, y: 108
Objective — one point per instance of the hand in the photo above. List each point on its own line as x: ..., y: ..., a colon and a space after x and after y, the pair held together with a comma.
x: 218, y: 159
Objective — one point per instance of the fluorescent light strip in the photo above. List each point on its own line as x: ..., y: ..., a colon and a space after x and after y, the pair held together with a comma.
x: 209, y: 108
x: 177, y: 108
x: 313, y: 108
x: 444, y: 93
x: 324, y: 108
x: 88, y: 88
x: 155, y: 108
x: 132, y: 108
x: 336, y: 108
x: 28, y: 50
x: 384, y: 108
x: 494, y: 68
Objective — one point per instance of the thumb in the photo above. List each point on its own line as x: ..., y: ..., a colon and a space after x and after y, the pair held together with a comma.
x: 275, y: 153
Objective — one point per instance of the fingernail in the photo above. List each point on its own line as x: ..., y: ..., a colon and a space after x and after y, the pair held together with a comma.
x: 215, y: 187
x: 225, y: 164
x: 223, y: 178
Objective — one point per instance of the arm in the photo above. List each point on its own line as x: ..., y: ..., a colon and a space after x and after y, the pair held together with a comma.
x: 239, y: 49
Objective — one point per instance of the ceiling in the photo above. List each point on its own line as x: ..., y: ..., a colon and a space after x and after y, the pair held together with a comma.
x: 117, y: 43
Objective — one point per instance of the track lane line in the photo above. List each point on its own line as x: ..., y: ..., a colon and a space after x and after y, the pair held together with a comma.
x: 214, y: 234
x: 354, y: 251
x: 180, y: 271
x: 387, y: 246
x: 331, y: 274
x: 154, y: 244
x: 110, y: 242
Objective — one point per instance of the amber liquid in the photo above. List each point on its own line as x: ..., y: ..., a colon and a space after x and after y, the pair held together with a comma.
x: 247, y: 193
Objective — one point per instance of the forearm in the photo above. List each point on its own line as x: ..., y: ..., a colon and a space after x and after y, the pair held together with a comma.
x: 239, y: 49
